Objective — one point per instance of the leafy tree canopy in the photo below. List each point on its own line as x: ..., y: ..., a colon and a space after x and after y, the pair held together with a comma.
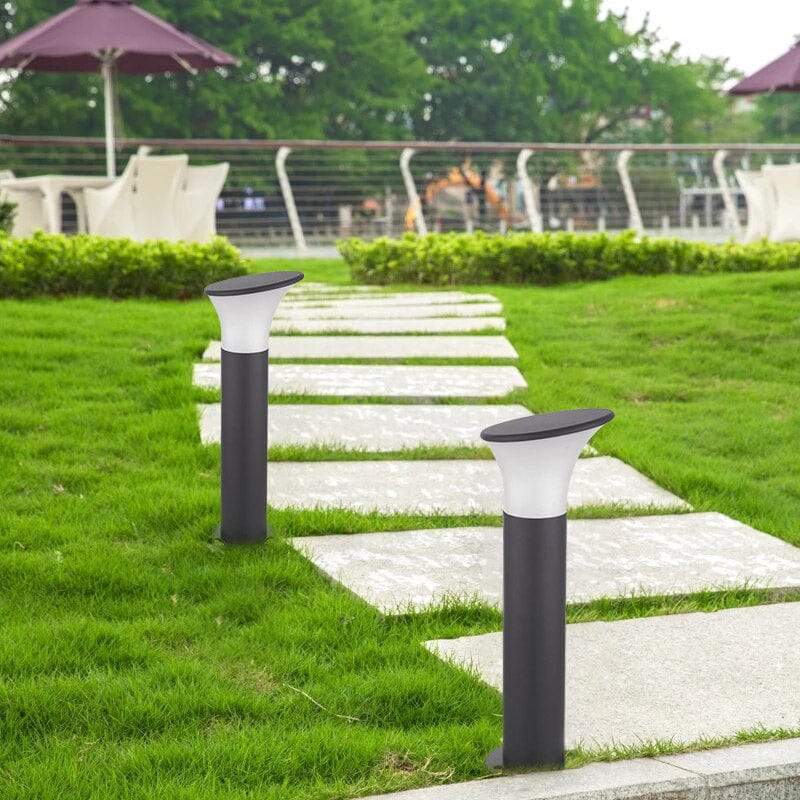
x: 338, y: 69
x: 555, y: 70
x: 527, y: 70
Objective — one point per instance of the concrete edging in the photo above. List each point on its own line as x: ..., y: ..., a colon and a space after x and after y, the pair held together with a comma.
x: 763, y: 771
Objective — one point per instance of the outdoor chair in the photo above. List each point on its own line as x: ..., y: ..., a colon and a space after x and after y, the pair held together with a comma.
x: 29, y: 214
x: 155, y: 193
x: 754, y: 188
x: 141, y: 203
x: 783, y: 188
x: 197, y: 201
x: 109, y: 211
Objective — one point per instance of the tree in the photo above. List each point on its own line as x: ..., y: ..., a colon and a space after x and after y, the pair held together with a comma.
x: 504, y: 70
x: 552, y: 70
x: 338, y: 69
x: 778, y: 116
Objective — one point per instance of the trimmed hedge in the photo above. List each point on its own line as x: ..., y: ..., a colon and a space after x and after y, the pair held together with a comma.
x: 550, y: 258
x: 52, y: 264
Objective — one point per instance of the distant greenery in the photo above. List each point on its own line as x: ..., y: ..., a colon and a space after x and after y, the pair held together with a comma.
x: 52, y: 264
x: 498, y: 70
x: 550, y: 258
x: 8, y: 211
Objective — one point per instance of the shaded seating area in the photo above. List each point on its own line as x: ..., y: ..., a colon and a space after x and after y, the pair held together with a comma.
x: 772, y: 195
x: 155, y: 197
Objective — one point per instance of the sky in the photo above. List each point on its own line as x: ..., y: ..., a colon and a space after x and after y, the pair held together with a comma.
x: 749, y: 33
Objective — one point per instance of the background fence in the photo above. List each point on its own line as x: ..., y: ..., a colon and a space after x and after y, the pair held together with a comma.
x: 307, y: 193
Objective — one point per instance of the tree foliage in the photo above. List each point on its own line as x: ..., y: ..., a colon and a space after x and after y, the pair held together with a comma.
x: 526, y: 70
x: 778, y: 116
x: 554, y: 70
x: 339, y: 68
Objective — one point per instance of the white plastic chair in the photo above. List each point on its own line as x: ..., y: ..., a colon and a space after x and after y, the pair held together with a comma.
x: 140, y: 204
x: 754, y: 188
x: 156, y: 185
x: 782, y: 186
x: 196, y: 208
x: 29, y: 215
x: 109, y: 211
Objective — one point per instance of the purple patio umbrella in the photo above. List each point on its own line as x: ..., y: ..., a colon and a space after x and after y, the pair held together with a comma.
x: 780, y: 75
x: 109, y: 35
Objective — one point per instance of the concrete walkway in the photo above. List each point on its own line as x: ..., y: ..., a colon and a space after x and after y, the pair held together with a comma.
x: 371, y: 428
x: 679, y: 678
x: 377, y: 347
x: 370, y: 380
x: 632, y: 556
x: 390, y: 325
x: 764, y: 771
x: 448, y: 487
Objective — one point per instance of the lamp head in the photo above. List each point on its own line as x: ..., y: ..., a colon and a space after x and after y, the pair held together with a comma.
x: 536, y: 456
x: 245, y: 307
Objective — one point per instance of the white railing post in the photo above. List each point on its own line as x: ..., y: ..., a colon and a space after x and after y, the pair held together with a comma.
x: 411, y: 190
x: 528, y: 195
x: 725, y: 191
x: 627, y: 187
x: 288, y: 198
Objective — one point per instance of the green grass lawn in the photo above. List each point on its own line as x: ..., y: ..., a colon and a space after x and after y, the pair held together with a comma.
x: 140, y: 660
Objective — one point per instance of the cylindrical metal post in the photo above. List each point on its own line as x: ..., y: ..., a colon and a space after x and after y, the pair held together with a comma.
x: 245, y: 307
x: 536, y: 455
x: 243, y: 445
x: 534, y: 637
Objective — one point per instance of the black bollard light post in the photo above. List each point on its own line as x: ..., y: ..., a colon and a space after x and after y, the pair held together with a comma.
x: 245, y: 307
x: 536, y: 455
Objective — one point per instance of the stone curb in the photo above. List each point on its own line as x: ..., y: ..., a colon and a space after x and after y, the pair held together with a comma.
x: 764, y: 771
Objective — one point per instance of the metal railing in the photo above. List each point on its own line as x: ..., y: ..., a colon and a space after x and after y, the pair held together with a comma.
x: 307, y: 193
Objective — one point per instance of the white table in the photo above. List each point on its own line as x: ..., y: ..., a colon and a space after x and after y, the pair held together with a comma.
x: 51, y: 187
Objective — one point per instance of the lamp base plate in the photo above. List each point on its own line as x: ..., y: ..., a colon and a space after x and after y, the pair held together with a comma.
x: 217, y: 536
x: 495, y: 759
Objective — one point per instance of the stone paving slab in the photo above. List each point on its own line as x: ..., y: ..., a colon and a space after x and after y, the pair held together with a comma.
x: 316, y: 287
x: 374, y: 309
x: 368, y: 380
x: 451, y: 487
x: 762, y: 771
x: 376, y: 428
x: 671, y: 554
x: 388, y: 299
x: 391, y: 325
x: 677, y: 678
x: 340, y: 347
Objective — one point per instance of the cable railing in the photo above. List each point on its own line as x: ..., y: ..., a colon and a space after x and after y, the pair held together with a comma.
x: 306, y: 193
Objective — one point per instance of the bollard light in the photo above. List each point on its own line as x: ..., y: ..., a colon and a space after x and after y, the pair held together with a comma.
x: 536, y: 455
x: 245, y: 307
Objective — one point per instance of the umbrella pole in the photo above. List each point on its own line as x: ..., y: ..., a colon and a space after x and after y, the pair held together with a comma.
x: 108, y: 91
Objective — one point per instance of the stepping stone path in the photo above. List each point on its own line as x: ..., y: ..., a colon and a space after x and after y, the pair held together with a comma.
x: 388, y: 301
x: 628, y: 681
x: 367, y: 380
x: 387, y: 347
x: 447, y: 487
x: 373, y: 428
x: 375, y: 309
x: 411, y: 325
x: 670, y: 554
x: 675, y: 678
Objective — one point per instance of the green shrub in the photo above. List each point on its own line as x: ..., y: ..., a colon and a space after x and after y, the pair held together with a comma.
x: 49, y: 264
x: 550, y: 258
x: 8, y: 212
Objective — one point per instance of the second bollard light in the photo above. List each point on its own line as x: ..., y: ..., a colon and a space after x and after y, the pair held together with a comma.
x: 536, y: 455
